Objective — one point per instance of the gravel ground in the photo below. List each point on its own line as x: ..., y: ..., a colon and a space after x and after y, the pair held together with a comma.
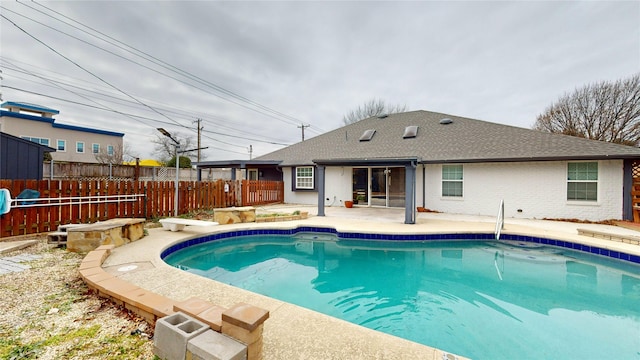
x: 47, y: 312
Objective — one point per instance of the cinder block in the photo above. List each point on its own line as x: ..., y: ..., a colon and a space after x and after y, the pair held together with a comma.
x: 211, y: 345
x: 173, y: 332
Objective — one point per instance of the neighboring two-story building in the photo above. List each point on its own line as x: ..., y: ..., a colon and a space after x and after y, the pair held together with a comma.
x: 72, y: 143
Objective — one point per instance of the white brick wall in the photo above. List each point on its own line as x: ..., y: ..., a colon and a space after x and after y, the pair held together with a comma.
x: 539, y: 189
x: 337, y: 188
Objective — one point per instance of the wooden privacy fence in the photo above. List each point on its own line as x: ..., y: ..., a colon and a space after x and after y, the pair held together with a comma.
x: 84, y: 200
x: 635, y: 199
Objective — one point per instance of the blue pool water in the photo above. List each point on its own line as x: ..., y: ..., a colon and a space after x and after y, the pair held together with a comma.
x: 479, y: 299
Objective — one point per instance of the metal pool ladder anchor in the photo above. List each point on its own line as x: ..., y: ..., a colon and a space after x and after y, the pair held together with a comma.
x: 500, y: 220
x: 499, y: 228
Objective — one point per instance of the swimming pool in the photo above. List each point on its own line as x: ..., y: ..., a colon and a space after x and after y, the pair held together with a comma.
x: 477, y: 298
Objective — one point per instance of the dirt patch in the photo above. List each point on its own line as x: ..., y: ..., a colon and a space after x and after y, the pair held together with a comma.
x: 49, y: 313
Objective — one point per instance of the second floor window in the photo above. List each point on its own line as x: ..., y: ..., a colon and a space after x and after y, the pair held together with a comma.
x: 41, y: 141
x: 79, y: 147
x: 110, y: 149
x: 62, y: 145
x: 95, y: 148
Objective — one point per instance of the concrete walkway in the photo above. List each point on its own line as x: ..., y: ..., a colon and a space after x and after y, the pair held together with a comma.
x: 293, y: 332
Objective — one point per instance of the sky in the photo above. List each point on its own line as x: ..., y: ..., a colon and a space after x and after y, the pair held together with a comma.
x: 255, y: 72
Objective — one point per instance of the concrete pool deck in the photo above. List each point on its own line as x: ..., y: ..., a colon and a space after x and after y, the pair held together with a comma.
x: 293, y: 332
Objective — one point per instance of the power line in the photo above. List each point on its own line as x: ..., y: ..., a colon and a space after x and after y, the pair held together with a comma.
x: 82, y: 68
x: 134, y: 51
x: 138, y: 101
x: 219, y: 123
x: 99, y: 78
x: 181, y: 113
x: 144, y: 118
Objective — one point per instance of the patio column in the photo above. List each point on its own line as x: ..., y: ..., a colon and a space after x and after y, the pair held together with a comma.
x: 320, y: 185
x: 410, y: 193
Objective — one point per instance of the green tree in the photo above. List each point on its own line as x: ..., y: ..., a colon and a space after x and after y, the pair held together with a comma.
x: 185, y: 162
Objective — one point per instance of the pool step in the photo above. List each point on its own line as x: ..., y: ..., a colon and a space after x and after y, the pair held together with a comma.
x: 628, y: 239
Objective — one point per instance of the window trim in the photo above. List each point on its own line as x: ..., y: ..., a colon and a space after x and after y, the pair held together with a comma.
x: 585, y: 181
x: 77, y: 147
x: 443, y: 180
x: 295, y: 177
x: 64, y: 145
x: 94, y: 150
x: 253, y: 171
x: 39, y: 140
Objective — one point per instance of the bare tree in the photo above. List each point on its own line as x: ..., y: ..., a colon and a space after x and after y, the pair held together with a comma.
x: 373, y: 107
x: 120, y: 154
x: 164, y: 147
x: 602, y: 111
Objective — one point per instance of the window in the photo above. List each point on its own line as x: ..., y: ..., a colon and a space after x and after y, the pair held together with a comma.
x: 582, y: 181
x: 252, y: 174
x: 110, y: 149
x: 452, y: 180
x: 62, y: 145
x: 41, y: 141
x: 304, y: 177
x: 79, y: 147
x: 95, y: 148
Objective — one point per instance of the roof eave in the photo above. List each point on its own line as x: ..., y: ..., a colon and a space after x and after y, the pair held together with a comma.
x: 537, y: 158
x: 235, y: 163
x: 367, y: 161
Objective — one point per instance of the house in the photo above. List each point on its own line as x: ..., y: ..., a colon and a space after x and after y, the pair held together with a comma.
x: 28, y: 165
x: 72, y: 143
x: 459, y: 165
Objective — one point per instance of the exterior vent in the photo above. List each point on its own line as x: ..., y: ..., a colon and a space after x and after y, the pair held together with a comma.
x: 446, y: 121
x: 367, y: 135
x: 382, y: 116
x: 410, y: 132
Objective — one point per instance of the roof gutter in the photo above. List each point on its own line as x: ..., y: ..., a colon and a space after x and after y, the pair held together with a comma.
x: 527, y: 159
x: 368, y: 161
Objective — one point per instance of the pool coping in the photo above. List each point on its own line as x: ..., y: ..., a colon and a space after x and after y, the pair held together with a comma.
x: 293, y: 331
x: 459, y: 236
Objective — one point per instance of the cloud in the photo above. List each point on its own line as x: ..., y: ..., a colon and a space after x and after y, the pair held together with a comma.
x: 256, y: 70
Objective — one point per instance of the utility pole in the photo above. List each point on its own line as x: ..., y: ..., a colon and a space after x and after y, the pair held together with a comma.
x: 303, y: 126
x: 250, y: 152
x: 199, y: 137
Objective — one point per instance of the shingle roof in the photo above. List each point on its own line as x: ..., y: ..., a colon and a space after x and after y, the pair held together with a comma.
x: 463, y: 140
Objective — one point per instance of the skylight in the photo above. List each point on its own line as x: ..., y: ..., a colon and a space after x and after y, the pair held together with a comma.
x: 367, y: 135
x: 410, y: 132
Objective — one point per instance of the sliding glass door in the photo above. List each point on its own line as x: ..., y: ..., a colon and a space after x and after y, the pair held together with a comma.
x: 379, y: 186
